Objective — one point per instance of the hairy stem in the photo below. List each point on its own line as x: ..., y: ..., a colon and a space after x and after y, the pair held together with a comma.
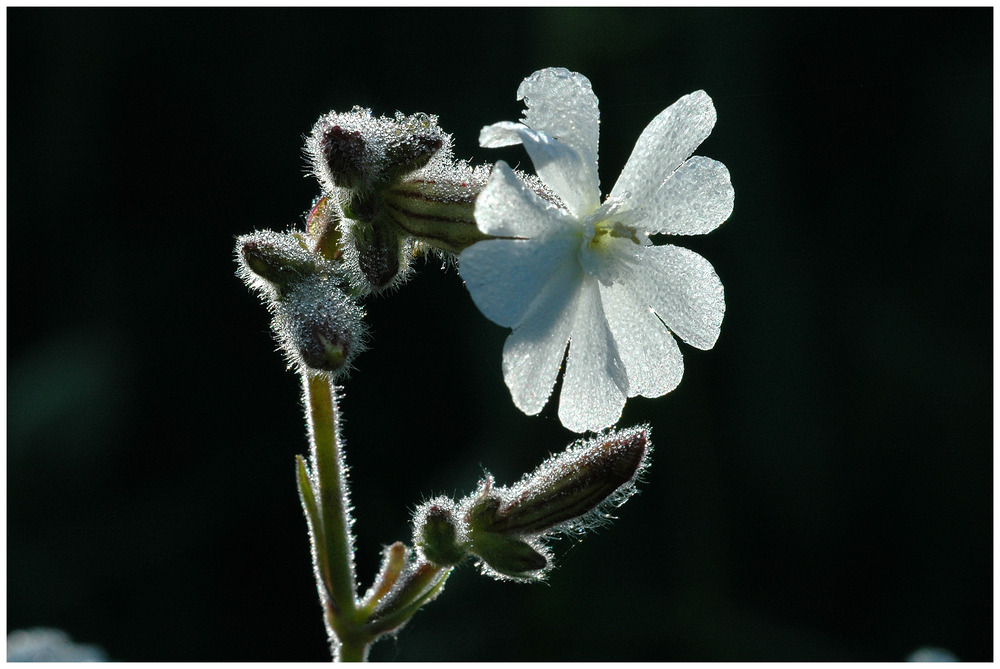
x: 352, y: 651
x: 335, y: 555
x: 402, y: 586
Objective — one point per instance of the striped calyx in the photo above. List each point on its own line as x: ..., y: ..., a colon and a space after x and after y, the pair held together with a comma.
x: 438, y: 212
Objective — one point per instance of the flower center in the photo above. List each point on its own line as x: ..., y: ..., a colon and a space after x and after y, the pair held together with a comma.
x: 606, y: 250
x: 605, y: 231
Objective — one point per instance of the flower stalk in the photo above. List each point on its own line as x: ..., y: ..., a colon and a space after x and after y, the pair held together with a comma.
x: 403, y: 584
x: 327, y: 498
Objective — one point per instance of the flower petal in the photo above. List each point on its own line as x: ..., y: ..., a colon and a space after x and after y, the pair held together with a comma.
x: 595, y: 385
x: 508, y: 208
x: 667, y: 141
x: 694, y: 200
x: 504, y: 133
x: 570, y: 174
x: 649, y: 352
x: 684, y: 290
x: 533, y: 352
x: 562, y: 104
x: 505, y: 276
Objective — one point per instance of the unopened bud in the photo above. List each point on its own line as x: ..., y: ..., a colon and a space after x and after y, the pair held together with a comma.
x: 340, y: 155
x: 414, y: 142
x: 436, y: 533
x: 359, y: 152
x: 343, y: 151
x: 574, y: 484
x: 510, y: 557
x: 379, y: 253
x: 276, y: 258
x: 318, y: 325
x: 568, y: 492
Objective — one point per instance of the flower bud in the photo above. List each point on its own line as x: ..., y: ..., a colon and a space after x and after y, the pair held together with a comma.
x: 340, y: 156
x: 323, y: 227
x: 414, y: 142
x: 568, y: 492
x: 379, y: 254
x: 274, y: 258
x: 318, y: 325
x: 359, y: 152
x: 574, y: 485
x: 436, y: 533
x: 510, y: 557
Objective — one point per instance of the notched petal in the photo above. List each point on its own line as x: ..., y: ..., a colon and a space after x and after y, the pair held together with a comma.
x: 652, y: 359
x: 595, y: 385
x: 570, y: 174
x: 507, y: 207
x: 667, y: 141
x: 563, y: 105
x: 684, y: 290
x: 533, y: 352
x: 505, y: 276
x: 694, y: 200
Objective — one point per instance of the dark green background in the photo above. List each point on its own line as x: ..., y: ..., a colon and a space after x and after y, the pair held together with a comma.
x: 822, y: 482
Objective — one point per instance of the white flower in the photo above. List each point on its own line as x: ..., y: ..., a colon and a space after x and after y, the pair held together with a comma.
x: 587, y: 273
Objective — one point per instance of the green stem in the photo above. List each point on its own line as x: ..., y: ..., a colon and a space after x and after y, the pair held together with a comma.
x: 332, y: 497
x: 351, y: 625
x: 352, y: 651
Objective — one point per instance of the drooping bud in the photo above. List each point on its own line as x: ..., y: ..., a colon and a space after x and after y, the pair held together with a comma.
x: 574, y: 485
x: 378, y: 253
x: 569, y: 492
x: 359, y: 152
x: 319, y: 327
x: 437, y: 534
x: 273, y: 258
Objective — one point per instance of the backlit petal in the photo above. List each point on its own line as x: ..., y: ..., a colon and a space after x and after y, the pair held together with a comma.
x: 533, y: 352
x: 666, y: 142
x: 562, y: 104
x: 504, y: 133
x: 684, y: 290
x: 649, y: 352
x: 569, y: 173
x: 595, y: 385
x: 508, y: 208
x: 694, y: 200
x: 505, y: 276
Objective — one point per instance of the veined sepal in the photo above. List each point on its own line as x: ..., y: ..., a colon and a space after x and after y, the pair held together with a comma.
x: 439, y: 213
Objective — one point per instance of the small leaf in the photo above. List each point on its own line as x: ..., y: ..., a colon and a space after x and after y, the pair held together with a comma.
x: 313, y: 518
